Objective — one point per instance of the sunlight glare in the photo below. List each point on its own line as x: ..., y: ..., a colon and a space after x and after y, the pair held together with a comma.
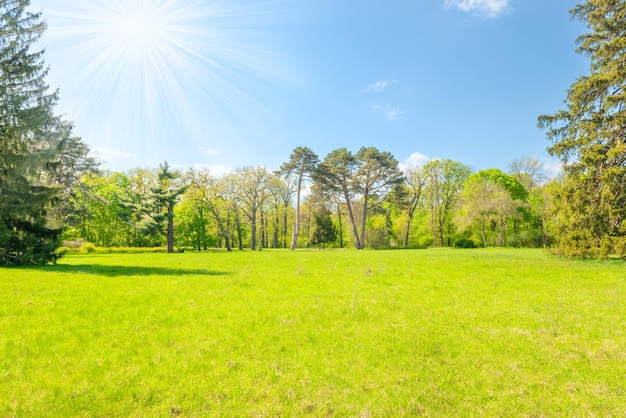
x: 150, y: 74
x: 140, y: 25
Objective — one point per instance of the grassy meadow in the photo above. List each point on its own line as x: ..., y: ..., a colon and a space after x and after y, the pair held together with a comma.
x: 314, y: 333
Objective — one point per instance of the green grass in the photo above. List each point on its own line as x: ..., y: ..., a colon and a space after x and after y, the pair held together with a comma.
x: 314, y: 333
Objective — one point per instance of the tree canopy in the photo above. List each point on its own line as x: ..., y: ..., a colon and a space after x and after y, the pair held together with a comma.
x: 589, y: 137
x: 37, y: 148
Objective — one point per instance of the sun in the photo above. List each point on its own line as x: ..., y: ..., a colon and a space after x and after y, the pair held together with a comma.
x: 146, y: 74
x: 141, y: 24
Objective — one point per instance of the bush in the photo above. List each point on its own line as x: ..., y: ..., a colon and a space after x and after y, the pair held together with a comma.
x: 465, y: 243
x: 87, y: 247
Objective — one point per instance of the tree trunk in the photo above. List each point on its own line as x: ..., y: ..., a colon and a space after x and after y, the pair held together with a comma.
x: 170, y: 228
x: 253, y: 231
x: 296, y: 228
x: 482, y: 229
x: 285, y: 227
x: 239, y: 232
x: 364, y: 220
x: 352, y: 221
x: 340, y: 225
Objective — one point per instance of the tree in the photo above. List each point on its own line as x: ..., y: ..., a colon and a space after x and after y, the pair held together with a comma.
x: 367, y: 176
x: 334, y: 175
x: 530, y: 171
x: 444, y: 184
x: 150, y: 206
x: 29, y: 141
x: 323, y: 228
x: 484, y: 202
x: 515, y: 188
x: 377, y: 175
x: 415, y: 182
x: 251, y: 187
x: 302, y: 162
x: 589, y: 137
x: 212, y: 193
x: 287, y: 189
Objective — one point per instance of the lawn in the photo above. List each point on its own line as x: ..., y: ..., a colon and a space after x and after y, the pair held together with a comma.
x: 314, y: 333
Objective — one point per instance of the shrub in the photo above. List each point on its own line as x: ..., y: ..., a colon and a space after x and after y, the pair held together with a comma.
x: 464, y: 243
x: 87, y: 247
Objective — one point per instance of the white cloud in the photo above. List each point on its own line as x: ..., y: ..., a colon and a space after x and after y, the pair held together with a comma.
x: 378, y: 86
x: 388, y: 111
x: 490, y: 8
x: 110, y: 153
x: 417, y: 159
x: 209, y: 151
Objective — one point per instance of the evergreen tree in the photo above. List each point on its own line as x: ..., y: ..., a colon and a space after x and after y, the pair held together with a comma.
x: 323, y: 228
x: 150, y: 208
x: 30, y: 136
x: 302, y: 162
x: 589, y: 137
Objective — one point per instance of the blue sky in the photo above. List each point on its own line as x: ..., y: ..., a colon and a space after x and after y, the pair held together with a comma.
x: 231, y: 83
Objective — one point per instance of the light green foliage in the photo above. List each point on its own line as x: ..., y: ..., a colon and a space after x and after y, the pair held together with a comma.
x: 320, y: 333
x: 444, y: 185
x: 510, y: 183
x: 490, y: 199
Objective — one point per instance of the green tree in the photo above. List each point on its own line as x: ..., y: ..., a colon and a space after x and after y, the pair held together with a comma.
x: 251, y: 187
x: 150, y: 206
x: 30, y: 136
x: 444, y: 184
x: 377, y: 175
x: 366, y: 177
x: 485, y: 202
x: 334, y: 175
x: 413, y: 196
x: 302, y: 163
x: 589, y: 137
x: 324, y: 230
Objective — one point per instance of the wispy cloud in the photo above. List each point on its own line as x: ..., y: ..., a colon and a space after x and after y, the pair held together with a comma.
x: 489, y: 8
x: 388, y: 111
x: 377, y: 87
x: 206, y: 151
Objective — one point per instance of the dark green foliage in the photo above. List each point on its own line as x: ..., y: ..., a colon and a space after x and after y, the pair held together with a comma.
x: 464, y: 243
x: 589, y: 137
x: 30, y: 139
x: 324, y: 230
x: 150, y: 208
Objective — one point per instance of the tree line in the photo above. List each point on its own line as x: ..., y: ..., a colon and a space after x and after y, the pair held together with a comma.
x: 356, y: 200
x: 51, y: 189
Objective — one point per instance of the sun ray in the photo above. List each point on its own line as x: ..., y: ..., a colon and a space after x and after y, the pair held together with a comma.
x: 173, y: 70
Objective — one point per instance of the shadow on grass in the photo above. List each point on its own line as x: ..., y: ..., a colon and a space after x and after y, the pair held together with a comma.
x: 116, y: 271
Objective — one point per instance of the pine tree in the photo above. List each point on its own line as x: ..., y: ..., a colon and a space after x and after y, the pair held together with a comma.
x: 589, y: 137
x: 151, y: 211
x: 29, y: 140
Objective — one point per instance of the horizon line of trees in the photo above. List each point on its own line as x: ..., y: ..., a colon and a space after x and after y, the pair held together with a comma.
x: 347, y: 200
